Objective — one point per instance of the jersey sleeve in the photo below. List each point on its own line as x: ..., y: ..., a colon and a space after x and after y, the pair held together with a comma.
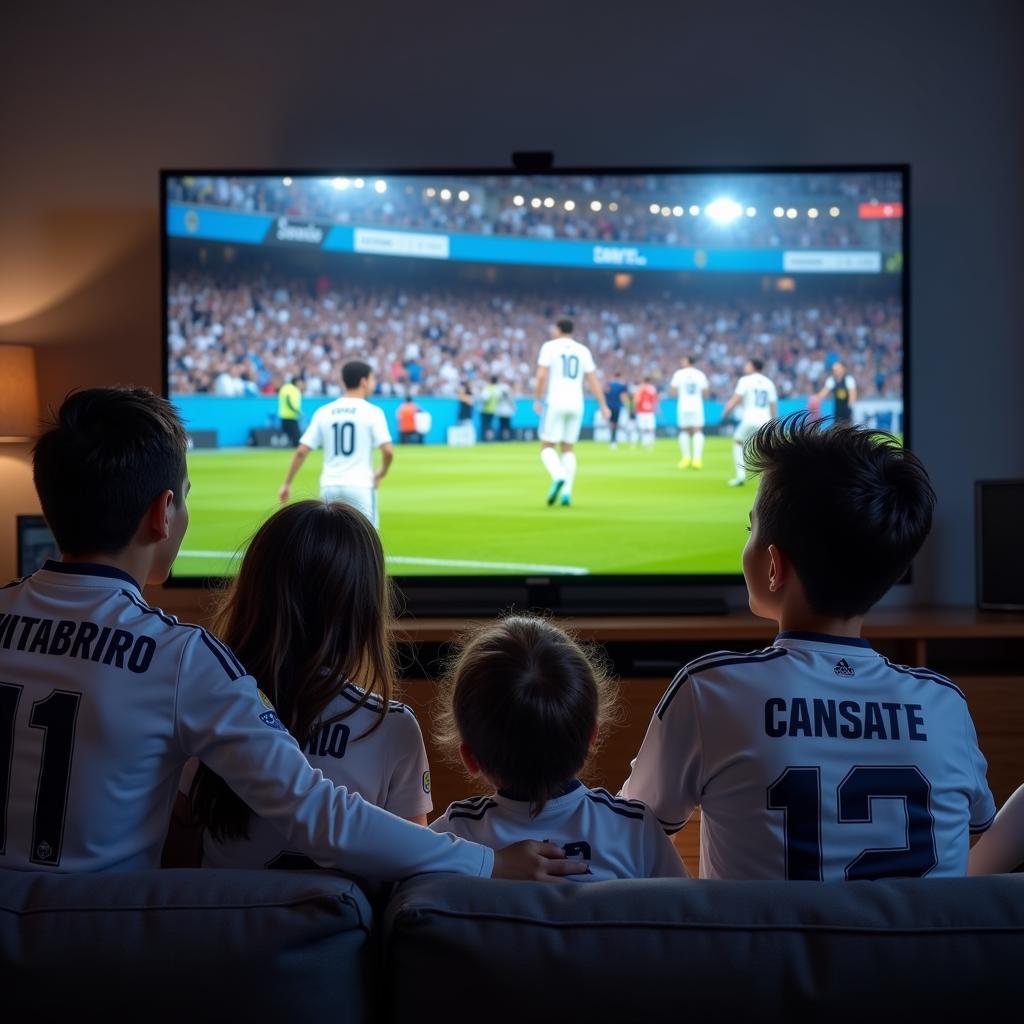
x: 311, y: 436
x: 222, y: 719
x: 676, y: 382
x: 703, y: 382
x: 742, y: 387
x: 444, y: 825
x: 409, y: 786
x: 983, y: 807
x: 546, y: 356
x: 661, y: 859
x: 773, y: 394
x: 667, y: 772
x: 830, y: 383
x: 381, y: 431
x: 587, y: 363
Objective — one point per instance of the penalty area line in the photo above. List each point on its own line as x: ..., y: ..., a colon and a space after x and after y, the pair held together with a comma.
x: 441, y: 563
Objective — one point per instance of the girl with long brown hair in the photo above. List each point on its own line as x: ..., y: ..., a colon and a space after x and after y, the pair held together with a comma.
x: 309, y: 615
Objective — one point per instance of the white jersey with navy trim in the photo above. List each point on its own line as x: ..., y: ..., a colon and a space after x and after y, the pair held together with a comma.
x: 568, y: 362
x: 103, y: 699
x: 386, y: 765
x: 816, y: 758
x: 349, y: 430
x: 619, y: 838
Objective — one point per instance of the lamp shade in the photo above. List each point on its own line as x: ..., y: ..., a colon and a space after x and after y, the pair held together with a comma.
x: 19, y: 402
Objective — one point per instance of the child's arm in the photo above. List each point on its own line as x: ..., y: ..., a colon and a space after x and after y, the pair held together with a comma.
x: 667, y: 772
x: 1001, y: 848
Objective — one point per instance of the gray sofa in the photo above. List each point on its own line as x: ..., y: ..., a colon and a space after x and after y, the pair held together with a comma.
x: 305, y: 946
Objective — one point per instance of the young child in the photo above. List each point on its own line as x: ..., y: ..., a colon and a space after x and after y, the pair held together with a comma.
x: 523, y: 706
x: 309, y: 614
x: 818, y: 758
x: 104, y: 698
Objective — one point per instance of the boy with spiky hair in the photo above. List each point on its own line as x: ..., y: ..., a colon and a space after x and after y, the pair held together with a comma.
x: 818, y: 758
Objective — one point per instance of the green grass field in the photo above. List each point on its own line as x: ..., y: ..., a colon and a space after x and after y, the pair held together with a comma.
x: 482, y: 510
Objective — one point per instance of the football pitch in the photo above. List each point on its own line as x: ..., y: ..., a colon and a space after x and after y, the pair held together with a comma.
x: 482, y: 510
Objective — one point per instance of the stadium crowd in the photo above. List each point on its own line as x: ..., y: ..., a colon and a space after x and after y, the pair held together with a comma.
x: 230, y: 337
x: 619, y: 209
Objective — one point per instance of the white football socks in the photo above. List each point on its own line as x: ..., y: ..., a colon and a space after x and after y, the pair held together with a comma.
x: 737, y: 458
x: 569, y: 469
x: 552, y: 463
x: 684, y: 444
x: 698, y: 445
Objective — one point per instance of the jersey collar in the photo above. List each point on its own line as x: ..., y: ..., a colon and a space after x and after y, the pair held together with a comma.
x: 819, y: 639
x: 92, y: 570
x: 570, y: 794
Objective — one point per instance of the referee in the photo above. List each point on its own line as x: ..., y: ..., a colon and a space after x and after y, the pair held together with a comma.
x: 843, y: 388
x: 289, y: 409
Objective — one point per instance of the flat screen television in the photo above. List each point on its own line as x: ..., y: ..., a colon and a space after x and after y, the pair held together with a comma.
x: 448, y: 283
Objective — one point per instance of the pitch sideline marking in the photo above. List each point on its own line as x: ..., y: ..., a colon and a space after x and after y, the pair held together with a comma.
x: 454, y: 563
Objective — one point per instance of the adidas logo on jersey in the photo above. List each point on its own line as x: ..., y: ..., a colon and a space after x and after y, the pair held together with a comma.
x: 843, y: 668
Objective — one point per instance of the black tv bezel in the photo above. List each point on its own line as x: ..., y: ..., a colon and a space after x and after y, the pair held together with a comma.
x: 543, y: 584
x: 980, y: 489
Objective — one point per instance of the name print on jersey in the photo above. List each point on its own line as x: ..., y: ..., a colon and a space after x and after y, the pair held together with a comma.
x: 844, y: 719
x: 64, y: 637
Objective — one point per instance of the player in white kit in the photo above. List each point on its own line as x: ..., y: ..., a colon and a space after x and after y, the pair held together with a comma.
x: 103, y: 698
x: 523, y: 706
x: 690, y: 386
x: 564, y: 365
x: 760, y: 404
x: 818, y: 758
x: 324, y: 625
x: 349, y: 430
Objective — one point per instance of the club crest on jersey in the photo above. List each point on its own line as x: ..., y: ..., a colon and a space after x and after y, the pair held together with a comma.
x: 269, y: 718
x: 843, y: 668
x: 267, y: 703
x: 426, y: 782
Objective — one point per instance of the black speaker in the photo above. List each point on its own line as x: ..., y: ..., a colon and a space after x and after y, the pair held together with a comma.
x: 999, y: 535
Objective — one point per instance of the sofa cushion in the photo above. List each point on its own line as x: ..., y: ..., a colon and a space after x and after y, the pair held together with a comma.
x: 183, y: 945
x: 862, y: 952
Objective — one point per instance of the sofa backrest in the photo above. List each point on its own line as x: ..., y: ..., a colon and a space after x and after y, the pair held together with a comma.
x: 862, y: 952
x: 183, y: 945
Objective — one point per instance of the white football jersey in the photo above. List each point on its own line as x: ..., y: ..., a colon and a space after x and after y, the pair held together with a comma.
x: 758, y: 394
x: 816, y: 758
x: 388, y: 767
x: 618, y: 838
x: 349, y: 430
x: 102, y: 701
x: 567, y: 361
x: 690, y: 384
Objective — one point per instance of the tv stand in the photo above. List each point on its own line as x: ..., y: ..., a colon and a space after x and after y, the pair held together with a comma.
x: 544, y: 594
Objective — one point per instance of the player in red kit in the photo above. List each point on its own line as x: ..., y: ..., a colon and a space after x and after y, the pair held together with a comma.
x: 645, y: 400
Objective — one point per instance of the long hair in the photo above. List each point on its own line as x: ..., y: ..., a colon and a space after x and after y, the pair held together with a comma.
x: 309, y: 612
x: 526, y: 699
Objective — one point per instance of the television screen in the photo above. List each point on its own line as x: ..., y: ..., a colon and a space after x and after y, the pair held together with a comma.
x: 562, y: 363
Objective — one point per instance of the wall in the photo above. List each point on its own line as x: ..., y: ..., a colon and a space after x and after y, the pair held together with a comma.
x: 96, y: 100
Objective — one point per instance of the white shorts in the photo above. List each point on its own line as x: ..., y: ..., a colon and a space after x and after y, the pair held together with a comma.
x: 645, y: 421
x: 690, y: 418
x: 747, y: 428
x: 364, y: 499
x: 561, y: 426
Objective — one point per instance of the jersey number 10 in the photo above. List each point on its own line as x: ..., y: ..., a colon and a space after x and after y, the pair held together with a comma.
x: 56, y: 715
x: 344, y: 438
x: 570, y: 366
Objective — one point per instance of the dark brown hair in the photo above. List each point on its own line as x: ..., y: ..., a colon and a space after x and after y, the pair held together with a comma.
x: 525, y: 698
x: 107, y: 455
x: 354, y: 373
x: 850, y: 506
x: 309, y: 612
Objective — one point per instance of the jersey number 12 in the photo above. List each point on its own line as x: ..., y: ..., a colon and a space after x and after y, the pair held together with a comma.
x: 56, y: 715
x: 797, y: 793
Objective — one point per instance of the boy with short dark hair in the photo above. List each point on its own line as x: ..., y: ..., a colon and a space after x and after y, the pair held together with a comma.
x: 103, y: 698
x: 817, y: 758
